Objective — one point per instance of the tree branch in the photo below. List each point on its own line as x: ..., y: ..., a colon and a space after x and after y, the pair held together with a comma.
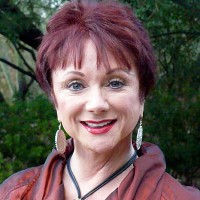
x: 29, y: 50
x: 26, y: 88
x: 18, y: 68
x: 191, y: 5
x: 22, y: 57
x: 176, y: 33
x: 26, y: 31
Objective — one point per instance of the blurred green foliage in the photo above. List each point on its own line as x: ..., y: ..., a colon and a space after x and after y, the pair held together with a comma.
x: 26, y: 134
x: 173, y: 124
x: 171, y: 117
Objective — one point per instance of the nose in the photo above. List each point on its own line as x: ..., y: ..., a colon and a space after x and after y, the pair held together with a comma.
x: 97, y: 102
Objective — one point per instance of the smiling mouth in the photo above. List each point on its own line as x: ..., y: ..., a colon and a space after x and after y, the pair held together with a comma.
x: 98, y: 127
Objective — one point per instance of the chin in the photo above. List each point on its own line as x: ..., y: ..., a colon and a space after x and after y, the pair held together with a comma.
x: 100, y: 147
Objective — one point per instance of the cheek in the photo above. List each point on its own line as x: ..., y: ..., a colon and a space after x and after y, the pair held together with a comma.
x: 62, y: 107
x: 128, y: 103
x: 129, y: 108
x: 67, y: 107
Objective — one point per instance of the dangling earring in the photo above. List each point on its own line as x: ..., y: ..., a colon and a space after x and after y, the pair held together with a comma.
x: 139, y: 136
x: 60, y: 140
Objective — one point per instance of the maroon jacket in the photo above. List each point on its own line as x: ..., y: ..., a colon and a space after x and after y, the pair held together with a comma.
x: 147, y: 181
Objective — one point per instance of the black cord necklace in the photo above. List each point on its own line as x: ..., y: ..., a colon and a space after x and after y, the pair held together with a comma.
x: 107, y: 180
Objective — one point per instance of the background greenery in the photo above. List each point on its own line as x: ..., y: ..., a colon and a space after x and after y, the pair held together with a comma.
x: 28, y: 121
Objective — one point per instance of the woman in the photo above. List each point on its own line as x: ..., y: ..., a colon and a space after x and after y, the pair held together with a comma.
x: 96, y: 64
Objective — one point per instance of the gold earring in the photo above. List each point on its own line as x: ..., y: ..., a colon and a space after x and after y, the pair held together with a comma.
x: 60, y: 140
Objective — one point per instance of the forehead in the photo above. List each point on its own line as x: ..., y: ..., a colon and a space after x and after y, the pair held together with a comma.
x: 91, y: 68
x: 92, y: 59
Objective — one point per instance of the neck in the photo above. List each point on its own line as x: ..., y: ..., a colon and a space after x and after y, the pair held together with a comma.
x: 99, y: 165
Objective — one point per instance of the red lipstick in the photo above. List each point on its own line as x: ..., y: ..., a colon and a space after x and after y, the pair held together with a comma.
x: 98, y: 127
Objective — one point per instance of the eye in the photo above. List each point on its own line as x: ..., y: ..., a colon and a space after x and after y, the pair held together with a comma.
x: 75, y: 86
x: 116, y: 83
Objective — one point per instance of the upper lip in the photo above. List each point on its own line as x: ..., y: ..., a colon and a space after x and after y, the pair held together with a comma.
x: 99, y: 121
x: 98, y: 124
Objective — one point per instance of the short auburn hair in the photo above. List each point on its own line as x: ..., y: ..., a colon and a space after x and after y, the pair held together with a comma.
x: 111, y: 26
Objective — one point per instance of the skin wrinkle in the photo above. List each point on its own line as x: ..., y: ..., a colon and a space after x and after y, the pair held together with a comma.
x: 109, y: 72
x: 101, y: 111
x: 118, y: 41
x: 97, y: 101
x: 100, y: 172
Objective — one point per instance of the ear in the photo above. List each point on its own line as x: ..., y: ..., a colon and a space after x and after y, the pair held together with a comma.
x: 142, y: 109
x: 54, y: 101
x: 58, y: 116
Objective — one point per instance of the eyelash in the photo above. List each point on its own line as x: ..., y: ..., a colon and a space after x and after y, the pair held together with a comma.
x: 79, y: 86
x: 118, y: 81
x: 72, y: 83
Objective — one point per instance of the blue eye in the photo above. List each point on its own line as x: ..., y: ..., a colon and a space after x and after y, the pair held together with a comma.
x: 116, y: 83
x: 75, y: 86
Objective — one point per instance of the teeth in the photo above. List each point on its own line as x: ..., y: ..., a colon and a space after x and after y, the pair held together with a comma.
x: 97, y: 125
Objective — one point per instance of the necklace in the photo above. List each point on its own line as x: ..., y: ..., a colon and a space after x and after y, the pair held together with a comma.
x: 107, y: 180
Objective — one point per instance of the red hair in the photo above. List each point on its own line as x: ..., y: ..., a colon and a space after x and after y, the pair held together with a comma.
x: 114, y: 30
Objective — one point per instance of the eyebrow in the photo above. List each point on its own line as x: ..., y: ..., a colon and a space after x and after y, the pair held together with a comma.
x: 108, y: 73
x: 117, y: 70
x: 75, y: 72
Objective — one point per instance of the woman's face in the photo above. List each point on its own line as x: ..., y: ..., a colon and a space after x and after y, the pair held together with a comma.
x: 99, y: 108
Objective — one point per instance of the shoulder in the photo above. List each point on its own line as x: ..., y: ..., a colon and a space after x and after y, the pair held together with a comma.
x: 173, y: 190
x: 16, y: 185
x: 33, y: 181
x: 151, y: 167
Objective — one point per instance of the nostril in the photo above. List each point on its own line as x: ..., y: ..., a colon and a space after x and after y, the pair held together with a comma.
x: 97, y: 106
x: 97, y: 101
